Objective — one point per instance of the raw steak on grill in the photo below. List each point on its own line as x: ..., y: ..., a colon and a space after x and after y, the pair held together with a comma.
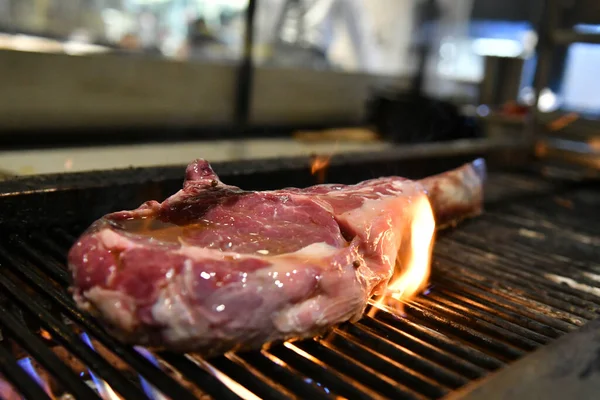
x: 215, y: 268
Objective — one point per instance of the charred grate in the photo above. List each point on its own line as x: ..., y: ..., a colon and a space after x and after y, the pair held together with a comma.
x: 503, y: 285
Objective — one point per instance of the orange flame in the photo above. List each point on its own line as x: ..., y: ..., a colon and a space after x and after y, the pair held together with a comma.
x: 541, y: 149
x: 318, y: 167
x: 415, y: 254
x: 45, y: 334
x: 563, y: 121
x: 594, y: 144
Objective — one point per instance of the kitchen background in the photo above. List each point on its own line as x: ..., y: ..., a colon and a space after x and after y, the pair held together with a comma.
x: 96, y: 84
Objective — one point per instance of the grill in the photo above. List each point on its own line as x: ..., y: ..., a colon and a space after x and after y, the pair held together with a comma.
x: 503, y: 285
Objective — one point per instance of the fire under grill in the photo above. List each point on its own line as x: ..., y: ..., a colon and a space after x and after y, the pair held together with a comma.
x: 503, y: 285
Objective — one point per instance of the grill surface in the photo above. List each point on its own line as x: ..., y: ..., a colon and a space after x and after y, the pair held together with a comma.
x: 502, y: 285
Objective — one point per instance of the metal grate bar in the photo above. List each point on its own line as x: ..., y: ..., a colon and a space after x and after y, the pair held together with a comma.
x: 536, y: 288
x: 64, y: 335
x: 507, y: 302
x: 571, y: 300
x: 300, y: 384
x: 145, y: 368
x: 438, y: 320
x: 397, y: 357
x: 63, y: 236
x: 522, y: 337
x: 520, y: 292
x: 422, y: 357
x: 359, y: 368
x: 49, y: 265
x: 396, y: 372
x: 33, y: 345
x: 13, y: 371
x: 330, y: 379
x: 436, y: 338
x: 527, y: 256
x: 50, y: 246
x: 209, y: 383
x: 541, y: 333
x: 252, y: 379
x: 496, y: 335
x: 573, y: 230
x: 572, y: 210
x: 523, y: 319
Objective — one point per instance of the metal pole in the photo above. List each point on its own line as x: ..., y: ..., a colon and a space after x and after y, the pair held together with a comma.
x: 244, y: 79
x: 429, y: 14
x: 545, y: 47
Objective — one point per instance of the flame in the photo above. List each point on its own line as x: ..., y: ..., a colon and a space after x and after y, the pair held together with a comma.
x: 27, y: 365
x: 563, y: 121
x: 594, y: 144
x: 541, y: 149
x: 416, y: 254
x: 232, y: 385
x: 149, y: 390
x: 319, y: 165
x: 45, y: 334
x: 104, y: 389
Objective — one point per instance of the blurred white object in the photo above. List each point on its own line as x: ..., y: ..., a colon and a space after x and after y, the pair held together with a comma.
x: 529, y: 40
x: 447, y: 70
x: 580, y: 86
x: 497, y: 47
x: 325, y: 23
x: 389, y: 28
x: 548, y: 101
x: 116, y: 24
x: 37, y: 44
x: 527, y: 95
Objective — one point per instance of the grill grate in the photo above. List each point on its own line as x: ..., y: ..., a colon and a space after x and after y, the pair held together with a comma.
x: 502, y: 285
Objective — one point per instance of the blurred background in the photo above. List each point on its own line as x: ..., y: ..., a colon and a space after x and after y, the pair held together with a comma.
x: 101, y: 84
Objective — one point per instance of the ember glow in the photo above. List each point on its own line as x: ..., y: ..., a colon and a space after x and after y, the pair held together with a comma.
x: 563, y: 121
x: 319, y: 166
x: 414, y: 260
x: 45, y: 334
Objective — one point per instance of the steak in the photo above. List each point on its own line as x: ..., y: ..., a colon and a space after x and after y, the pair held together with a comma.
x: 215, y: 268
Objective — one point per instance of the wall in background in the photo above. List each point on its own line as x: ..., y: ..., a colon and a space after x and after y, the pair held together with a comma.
x: 45, y: 90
